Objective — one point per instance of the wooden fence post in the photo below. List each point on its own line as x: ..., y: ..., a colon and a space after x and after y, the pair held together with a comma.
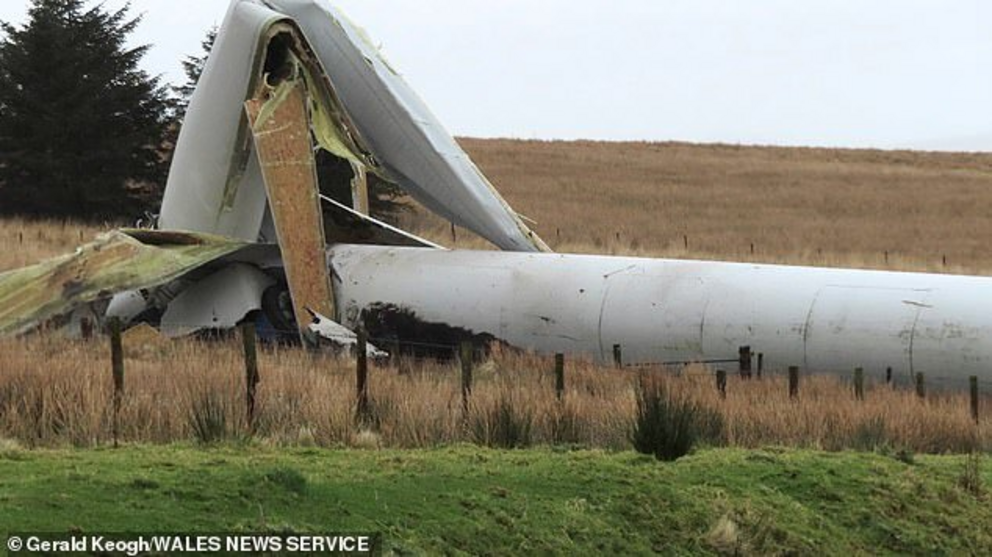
x: 361, y: 376
x: 721, y: 382
x: 973, y: 380
x: 888, y: 376
x: 921, y: 389
x: 559, y: 376
x: 859, y: 383
x: 617, y: 356
x: 251, y: 371
x: 466, y: 354
x: 761, y: 363
x: 395, y: 358
x: 744, y: 361
x: 117, y: 368
x: 793, y: 382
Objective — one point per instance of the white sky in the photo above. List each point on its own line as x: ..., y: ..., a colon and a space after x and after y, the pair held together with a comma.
x: 876, y: 73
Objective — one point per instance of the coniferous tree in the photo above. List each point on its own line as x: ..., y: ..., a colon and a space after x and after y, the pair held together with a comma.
x: 81, y: 125
x: 193, y: 68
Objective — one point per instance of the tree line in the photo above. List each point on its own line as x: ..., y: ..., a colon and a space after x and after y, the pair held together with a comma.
x: 85, y: 132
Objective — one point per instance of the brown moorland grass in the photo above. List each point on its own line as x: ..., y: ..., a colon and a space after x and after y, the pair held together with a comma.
x: 55, y: 392
x: 817, y: 206
x: 28, y: 241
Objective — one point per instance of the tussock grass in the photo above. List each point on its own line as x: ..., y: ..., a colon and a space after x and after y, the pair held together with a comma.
x: 669, y: 423
x: 55, y: 392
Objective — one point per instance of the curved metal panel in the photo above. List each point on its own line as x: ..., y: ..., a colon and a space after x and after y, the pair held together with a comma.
x: 405, y: 137
x: 218, y: 301
x: 829, y: 320
x: 955, y: 320
x: 870, y: 324
x: 212, y: 187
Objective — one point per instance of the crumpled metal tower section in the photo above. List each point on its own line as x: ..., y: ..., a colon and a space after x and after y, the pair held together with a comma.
x: 362, y: 110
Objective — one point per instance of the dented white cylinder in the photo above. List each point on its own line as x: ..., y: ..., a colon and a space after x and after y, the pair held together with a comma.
x: 823, y: 320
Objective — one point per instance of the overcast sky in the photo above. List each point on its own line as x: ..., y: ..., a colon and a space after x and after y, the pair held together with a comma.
x: 875, y: 73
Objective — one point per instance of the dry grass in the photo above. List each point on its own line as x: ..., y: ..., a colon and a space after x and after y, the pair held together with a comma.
x: 25, y: 241
x: 796, y: 205
x: 55, y: 392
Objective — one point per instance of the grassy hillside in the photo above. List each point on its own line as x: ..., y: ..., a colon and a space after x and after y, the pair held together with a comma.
x: 484, y: 501
x: 795, y: 205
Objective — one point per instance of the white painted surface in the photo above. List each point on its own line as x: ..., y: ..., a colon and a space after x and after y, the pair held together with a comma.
x: 213, y: 155
x: 218, y: 301
x: 824, y: 320
x: 400, y: 129
x: 207, y: 154
x: 339, y: 336
x: 127, y: 305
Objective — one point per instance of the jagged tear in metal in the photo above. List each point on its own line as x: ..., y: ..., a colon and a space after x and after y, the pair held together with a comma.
x: 216, y: 268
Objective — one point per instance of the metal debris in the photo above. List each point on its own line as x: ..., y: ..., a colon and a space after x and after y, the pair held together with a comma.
x: 341, y: 338
x: 114, y: 262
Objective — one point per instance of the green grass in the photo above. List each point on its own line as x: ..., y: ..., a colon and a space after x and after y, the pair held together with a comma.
x: 490, y: 501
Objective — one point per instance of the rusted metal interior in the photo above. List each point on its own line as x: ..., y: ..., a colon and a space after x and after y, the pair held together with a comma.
x: 281, y: 130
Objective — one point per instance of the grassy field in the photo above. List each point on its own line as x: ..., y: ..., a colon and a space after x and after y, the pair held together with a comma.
x: 55, y: 392
x: 856, y: 208
x: 795, y: 205
x: 26, y: 241
x: 480, y: 501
